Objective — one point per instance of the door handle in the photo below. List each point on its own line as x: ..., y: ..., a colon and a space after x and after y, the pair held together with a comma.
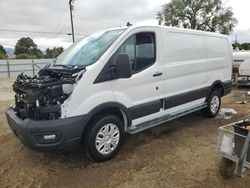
x: 157, y: 74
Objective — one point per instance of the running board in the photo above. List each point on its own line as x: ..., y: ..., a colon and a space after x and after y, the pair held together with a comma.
x: 152, y: 123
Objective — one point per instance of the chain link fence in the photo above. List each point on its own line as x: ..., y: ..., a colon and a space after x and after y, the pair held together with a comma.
x: 12, y: 68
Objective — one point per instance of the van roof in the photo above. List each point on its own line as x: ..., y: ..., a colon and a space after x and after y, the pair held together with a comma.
x: 174, y: 29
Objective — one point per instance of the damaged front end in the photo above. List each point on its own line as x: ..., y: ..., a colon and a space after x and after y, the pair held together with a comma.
x: 41, y: 97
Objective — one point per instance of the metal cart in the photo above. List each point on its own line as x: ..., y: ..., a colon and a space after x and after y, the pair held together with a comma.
x: 233, y: 143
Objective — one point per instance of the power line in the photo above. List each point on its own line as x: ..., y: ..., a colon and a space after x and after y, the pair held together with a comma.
x: 96, y: 21
x: 57, y: 27
x: 60, y: 21
x: 40, y: 32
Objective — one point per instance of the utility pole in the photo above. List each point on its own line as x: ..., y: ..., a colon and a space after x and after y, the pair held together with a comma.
x: 71, y: 7
x: 236, y: 39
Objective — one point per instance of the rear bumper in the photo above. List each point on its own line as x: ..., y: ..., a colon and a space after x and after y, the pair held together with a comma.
x: 243, y: 83
x: 68, y: 132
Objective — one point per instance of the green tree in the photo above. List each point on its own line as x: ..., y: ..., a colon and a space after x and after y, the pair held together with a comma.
x: 245, y: 46
x: 24, y: 56
x: 206, y: 15
x: 3, y: 53
x: 2, y: 56
x: 26, y: 47
x: 237, y: 46
x: 53, y: 53
x: 2, y: 50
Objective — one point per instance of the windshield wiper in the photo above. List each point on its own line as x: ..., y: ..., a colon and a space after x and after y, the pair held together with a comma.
x: 64, y: 66
x: 70, y: 66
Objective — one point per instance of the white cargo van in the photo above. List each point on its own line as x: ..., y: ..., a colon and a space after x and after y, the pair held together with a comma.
x: 244, y: 73
x: 239, y: 57
x: 118, y: 81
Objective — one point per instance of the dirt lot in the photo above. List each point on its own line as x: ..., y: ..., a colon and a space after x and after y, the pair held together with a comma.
x: 181, y: 153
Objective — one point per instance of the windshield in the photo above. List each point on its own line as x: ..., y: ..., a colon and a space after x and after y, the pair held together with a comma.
x: 88, y: 50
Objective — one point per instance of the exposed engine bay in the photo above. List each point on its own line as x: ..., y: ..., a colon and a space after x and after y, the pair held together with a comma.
x: 41, y: 97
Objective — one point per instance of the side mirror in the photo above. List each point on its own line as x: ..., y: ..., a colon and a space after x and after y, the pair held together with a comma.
x: 122, y: 67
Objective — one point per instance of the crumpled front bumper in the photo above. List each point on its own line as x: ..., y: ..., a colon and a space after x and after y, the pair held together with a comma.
x: 68, y: 131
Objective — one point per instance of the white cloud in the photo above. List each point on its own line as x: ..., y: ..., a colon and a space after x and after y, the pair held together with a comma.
x: 242, y: 35
x: 89, y: 16
x: 53, y: 42
x: 241, y: 12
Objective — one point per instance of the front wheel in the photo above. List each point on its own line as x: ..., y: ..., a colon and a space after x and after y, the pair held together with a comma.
x: 104, y: 139
x: 213, y: 104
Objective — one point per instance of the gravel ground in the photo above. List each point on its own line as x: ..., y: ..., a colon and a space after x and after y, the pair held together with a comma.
x: 180, y: 153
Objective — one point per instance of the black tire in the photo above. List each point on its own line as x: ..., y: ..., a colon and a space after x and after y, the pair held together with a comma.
x: 90, y: 138
x: 208, y: 110
x: 227, y: 168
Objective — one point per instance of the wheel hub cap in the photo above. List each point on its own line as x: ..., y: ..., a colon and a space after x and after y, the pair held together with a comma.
x: 215, y: 104
x: 107, y: 139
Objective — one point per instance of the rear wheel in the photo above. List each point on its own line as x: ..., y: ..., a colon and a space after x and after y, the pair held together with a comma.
x: 104, y: 139
x: 227, y: 168
x: 213, y: 104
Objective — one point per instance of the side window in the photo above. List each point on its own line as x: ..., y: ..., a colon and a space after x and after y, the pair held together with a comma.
x: 128, y: 48
x: 141, y: 50
x: 145, y: 51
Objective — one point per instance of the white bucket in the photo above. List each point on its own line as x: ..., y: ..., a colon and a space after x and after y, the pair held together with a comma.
x: 227, y: 145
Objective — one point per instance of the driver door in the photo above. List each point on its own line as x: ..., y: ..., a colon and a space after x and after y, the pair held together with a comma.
x: 142, y: 93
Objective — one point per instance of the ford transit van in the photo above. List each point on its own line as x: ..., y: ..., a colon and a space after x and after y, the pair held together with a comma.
x: 119, y: 81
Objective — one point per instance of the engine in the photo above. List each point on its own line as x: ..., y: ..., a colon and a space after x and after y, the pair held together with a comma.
x: 41, y: 97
